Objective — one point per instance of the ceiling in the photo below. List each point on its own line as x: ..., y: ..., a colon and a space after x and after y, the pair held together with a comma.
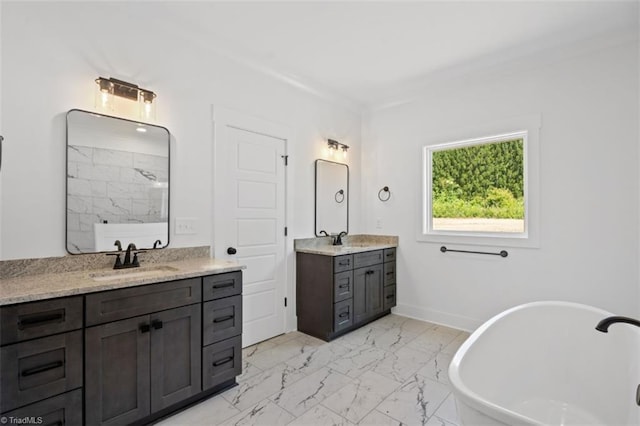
x: 367, y: 51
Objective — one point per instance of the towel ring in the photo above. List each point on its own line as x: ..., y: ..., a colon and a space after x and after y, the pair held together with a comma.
x: 339, y: 197
x: 385, y: 190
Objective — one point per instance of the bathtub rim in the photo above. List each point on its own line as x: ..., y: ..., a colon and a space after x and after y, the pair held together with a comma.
x: 471, y: 398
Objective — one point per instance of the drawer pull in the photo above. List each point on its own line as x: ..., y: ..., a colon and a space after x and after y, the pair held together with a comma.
x: 156, y: 324
x: 38, y: 320
x: 42, y: 368
x: 390, y: 273
x: 223, y: 319
x: 343, y: 315
x: 343, y: 286
x: 223, y: 361
x: 391, y: 296
x: 369, y: 272
x: 389, y: 254
x: 224, y: 285
x: 144, y: 328
x: 344, y: 263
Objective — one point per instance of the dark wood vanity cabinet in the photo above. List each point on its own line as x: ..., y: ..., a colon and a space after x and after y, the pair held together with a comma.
x: 140, y: 351
x: 336, y: 294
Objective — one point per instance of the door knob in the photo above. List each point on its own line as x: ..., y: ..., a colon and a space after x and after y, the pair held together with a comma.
x: 231, y: 250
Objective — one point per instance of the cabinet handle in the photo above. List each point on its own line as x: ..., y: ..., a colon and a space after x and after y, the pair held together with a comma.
x: 343, y: 286
x: 391, y: 296
x: 225, y: 285
x: 369, y: 272
x: 144, y: 328
x: 37, y: 320
x: 389, y: 254
x: 156, y: 324
x: 344, y: 263
x: 223, y: 361
x: 390, y: 273
x: 223, y: 319
x: 343, y: 315
x: 42, y: 368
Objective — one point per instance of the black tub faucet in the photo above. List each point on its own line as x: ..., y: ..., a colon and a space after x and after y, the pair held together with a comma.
x: 603, y: 325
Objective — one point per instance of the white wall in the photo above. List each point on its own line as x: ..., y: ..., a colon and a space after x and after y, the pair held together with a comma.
x: 588, y: 186
x: 51, y: 54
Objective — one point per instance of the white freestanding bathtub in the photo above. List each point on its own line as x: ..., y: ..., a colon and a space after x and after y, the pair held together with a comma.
x: 544, y: 363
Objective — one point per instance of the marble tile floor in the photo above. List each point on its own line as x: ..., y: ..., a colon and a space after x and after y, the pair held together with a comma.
x: 390, y: 372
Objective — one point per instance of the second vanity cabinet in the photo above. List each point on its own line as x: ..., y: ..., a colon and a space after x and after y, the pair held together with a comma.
x: 336, y: 294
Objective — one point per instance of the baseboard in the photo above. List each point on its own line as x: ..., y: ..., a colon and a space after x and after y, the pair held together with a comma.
x: 443, y: 318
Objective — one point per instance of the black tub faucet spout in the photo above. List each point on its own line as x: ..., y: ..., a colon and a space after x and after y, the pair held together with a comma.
x: 603, y: 325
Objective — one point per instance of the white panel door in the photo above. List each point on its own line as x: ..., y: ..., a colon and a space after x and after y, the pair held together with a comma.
x: 250, y: 217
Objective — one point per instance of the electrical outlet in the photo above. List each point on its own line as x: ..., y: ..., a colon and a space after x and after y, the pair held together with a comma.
x: 185, y: 225
x: 379, y: 223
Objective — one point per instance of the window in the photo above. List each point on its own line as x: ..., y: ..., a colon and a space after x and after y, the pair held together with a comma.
x: 479, y: 191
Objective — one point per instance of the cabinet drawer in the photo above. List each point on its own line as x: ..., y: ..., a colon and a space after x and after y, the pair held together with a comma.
x: 389, y: 297
x: 130, y: 302
x: 36, y: 319
x: 343, y: 315
x: 61, y: 410
x: 390, y: 254
x: 222, y: 319
x: 367, y: 258
x: 222, y: 285
x: 221, y: 362
x: 389, y: 273
x: 342, y: 286
x: 342, y: 263
x: 40, y: 368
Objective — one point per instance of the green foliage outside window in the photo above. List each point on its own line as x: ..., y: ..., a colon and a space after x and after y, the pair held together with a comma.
x: 479, y: 181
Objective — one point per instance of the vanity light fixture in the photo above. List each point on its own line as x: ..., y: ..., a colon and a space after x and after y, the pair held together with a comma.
x: 334, y: 146
x: 108, y: 88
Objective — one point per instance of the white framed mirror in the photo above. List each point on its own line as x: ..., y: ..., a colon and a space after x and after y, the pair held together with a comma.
x: 331, y: 197
x: 117, y: 183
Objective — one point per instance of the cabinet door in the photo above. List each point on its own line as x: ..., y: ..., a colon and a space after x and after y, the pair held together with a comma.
x: 117, y: 372
x: 375, y: 284
x: 367, y: 293
x: 360, y: 295
x: 175, y: 355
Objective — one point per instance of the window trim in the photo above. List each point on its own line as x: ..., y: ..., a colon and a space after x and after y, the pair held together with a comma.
x: 528, y: 129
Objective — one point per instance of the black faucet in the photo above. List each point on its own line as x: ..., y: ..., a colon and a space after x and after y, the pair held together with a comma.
x: 118, y: 244
x: 128, y: 262
x: 337, y: 241
x: 323, y: 232
x: 603, y: 325
x: 157, y: 243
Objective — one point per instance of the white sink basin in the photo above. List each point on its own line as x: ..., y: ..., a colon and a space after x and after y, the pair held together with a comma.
x: 121, y: 274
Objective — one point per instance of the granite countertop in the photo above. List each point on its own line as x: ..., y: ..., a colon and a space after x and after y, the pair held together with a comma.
x: 350, y: 244
x: 340, y: 250
x: 60, y: 284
